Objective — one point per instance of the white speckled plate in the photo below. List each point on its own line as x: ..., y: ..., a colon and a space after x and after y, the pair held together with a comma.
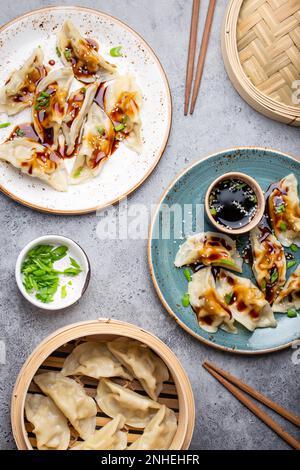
x: 125, y: 170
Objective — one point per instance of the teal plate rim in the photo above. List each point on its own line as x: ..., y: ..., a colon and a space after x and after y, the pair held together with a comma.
x: 164, y: 302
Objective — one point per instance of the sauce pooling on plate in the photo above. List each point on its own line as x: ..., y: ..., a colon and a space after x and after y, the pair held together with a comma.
x: 233, y: 203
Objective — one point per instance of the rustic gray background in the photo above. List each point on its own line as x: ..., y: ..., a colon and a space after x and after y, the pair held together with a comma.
x: 121, y: 285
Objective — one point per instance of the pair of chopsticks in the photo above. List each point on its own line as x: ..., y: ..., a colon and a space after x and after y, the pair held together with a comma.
x: 235, y: 386
x: 192, y: 52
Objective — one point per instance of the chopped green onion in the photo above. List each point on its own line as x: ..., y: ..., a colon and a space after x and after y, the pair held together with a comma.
x: 283, y: 226
x: 294, y: 248
x: 116, y: 51
x: 83, y: 90
x: 4, y: 124
x: 274, y: 276
x: 70, y: 283
x: 63, y: 292
x: 280, y: 209
x: 19, y: 132
x: 185, y: 300
x: 240, y: 186
x: 228, y: 297
x: 77, y: 172
x: 263, y: 284
x: 290, y: 264
x: 187, y: 274
x: 291, y: 313
x: 120, y: 127
x: 226, y: 261
x: 213, y: 211
x: 100, y: 130
x: 68, y: 54
x: 58, y: 52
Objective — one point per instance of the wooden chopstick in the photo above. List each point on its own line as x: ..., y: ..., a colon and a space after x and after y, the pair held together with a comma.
x: 202, y: 53
x: 192, y: 53
x: 254, y: 408
x: 255, y: 394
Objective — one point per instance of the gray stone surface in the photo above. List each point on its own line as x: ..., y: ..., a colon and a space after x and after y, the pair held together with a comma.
x: 121, y: 286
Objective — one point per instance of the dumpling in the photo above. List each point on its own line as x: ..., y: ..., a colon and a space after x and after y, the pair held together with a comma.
x: 269, y: 262
x: 97, y: 143
x: 50, y: 425
x: 49, y: 105
x: 289, y: 297
x: 113, y: 399
x: 72, y: 400
x: 284, y: 211
x: 35, y: 160
x: 110, y: 437
x: 93, y: 359
x: 211, y: 310
x: 123, y: 102
x: 159, y: 433
x: 245, y: 301
x: 82, y: 55
x: 142, y: 363
x: 18, y: 92
x: 210, y: 249
x: 78, y: 106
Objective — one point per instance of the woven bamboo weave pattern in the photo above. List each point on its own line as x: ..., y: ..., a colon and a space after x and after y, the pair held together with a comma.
x: 268, y: 39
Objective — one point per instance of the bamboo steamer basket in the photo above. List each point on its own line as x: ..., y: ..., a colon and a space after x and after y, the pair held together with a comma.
x: 50, y: 355
x: 261, y: 51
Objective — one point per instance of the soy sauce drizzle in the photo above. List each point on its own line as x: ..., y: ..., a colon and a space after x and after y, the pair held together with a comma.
x: 233, y: 203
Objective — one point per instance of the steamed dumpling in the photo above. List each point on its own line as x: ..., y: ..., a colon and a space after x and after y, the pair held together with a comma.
x: 210, y: 249
x: 211, y: 309
x: 49, y: 424
x: 93, y: 359
x: 113, y: 399
x: 78, y: 106
x: 49, y: 105
x: 110, y: 437
x: 72, y: 400
x: 159, y: 433
x: 123, y: 102
x: 245, y: 301
x: 284, y: 211
x: 289, y: 297
x: 82, y: 55
x: 36, y: 161
x: 97, y: 143
x: 142, y: 363
x: 18, y: 92
x: 269, y: 262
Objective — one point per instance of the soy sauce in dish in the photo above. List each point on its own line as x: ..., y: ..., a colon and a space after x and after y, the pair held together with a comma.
x: 233, y: 203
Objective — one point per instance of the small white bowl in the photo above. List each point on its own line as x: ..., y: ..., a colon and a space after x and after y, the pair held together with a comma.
x: 79, y: 282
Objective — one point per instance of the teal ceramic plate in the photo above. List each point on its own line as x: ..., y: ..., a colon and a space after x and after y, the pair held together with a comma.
x: 181, y: 212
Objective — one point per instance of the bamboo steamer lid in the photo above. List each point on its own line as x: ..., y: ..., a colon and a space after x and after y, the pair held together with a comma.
x: 50, y: 354
x: 261, y: 52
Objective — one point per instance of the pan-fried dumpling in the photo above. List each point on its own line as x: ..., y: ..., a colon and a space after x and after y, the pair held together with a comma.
x: 49, y: 105
x: 93, y: 359
x: 78, y: 106
x: 142, y: 363
x: 97, y: 143
x: 113, y: 399
x: 211, y: 310
x: 18, y: 92
x: 110, y: 437
x: 123, y: 102
x: 82, y: 55
x: 269, y: 263
x: 35, y: 160
x: 210, y: 249
x: 159, y: 433
x: 246, y: 302
x: 70, y: 397
x: 284, y: 211
x: 289, y: 297
x: 49, y: 424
